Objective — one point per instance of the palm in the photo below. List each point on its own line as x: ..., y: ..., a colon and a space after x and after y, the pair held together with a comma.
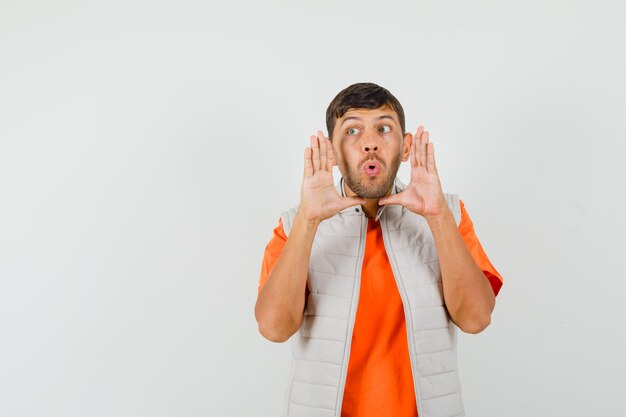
x: 319, y: 195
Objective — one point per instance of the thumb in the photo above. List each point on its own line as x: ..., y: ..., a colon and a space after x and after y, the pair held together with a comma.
x: 352, y: 201
x: 390, y: 199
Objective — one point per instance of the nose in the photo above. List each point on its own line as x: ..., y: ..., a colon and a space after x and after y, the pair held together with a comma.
x: 370, y: 142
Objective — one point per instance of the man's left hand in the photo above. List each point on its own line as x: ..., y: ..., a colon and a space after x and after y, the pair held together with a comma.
x: 423, y: 195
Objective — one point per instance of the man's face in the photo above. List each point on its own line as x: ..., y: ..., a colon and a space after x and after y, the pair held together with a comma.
x: 369, y: 145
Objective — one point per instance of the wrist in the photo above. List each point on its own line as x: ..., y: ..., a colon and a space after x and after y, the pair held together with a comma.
x: 440, y: 218
x: 302, y: 219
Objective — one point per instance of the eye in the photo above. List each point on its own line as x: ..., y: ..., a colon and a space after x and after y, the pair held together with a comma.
x: 384, y: 129
x: 353, y: 131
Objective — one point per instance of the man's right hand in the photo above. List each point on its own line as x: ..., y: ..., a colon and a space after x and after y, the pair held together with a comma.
x: 280, y: 305
x: 319, y: 198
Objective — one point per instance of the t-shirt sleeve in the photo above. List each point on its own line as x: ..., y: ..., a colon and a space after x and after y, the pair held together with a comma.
x: 272, y: 252
x: 466, y: 228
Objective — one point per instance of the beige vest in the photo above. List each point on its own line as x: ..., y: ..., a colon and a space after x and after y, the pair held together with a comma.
x: 321, y: 347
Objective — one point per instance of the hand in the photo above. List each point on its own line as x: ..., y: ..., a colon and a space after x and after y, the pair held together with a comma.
x: 319, y: 198
x: 423, y: 195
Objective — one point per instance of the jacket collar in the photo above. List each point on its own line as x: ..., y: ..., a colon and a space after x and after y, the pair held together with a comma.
x: 357, y: 209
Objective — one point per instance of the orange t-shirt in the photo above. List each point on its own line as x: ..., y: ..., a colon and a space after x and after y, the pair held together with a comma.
x: 379, y: 380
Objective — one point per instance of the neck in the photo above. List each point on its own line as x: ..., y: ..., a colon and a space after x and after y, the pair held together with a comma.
x: 371, y: 207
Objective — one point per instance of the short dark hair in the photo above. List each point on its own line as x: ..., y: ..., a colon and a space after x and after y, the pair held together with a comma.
x: 361, y: 96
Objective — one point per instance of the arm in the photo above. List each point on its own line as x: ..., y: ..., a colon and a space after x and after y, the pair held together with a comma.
x: 280, y: 304
x: 469, y: 296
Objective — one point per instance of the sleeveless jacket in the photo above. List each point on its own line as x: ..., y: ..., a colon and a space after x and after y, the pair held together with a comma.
x: 321, y: 347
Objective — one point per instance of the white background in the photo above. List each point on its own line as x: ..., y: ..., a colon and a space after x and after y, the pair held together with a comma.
x: 147, y: 149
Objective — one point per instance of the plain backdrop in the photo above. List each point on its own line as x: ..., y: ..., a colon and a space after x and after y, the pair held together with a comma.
x: 147, y: 149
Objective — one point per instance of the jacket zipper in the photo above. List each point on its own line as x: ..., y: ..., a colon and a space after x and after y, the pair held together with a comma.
x: 407, y: 318
x: 352, y: 317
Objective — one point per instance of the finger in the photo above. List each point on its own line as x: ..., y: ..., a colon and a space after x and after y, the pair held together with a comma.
x: 315, y: 147
x: 351, y: 201
x: 423, y: 144
x: 431, y: 167
x: 416, y: 145
x: 322, y: 140
x: 330, y: 158
x: 391, y: 199
x: 412, y: 159
x: 308, y: 165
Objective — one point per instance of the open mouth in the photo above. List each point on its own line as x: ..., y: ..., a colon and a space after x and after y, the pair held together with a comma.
x: 372, y: 168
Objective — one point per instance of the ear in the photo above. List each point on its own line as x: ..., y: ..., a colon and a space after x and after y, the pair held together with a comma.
x: 407, y: 142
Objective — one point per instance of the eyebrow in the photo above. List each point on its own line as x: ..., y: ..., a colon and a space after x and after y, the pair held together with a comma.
x: 384, y: 116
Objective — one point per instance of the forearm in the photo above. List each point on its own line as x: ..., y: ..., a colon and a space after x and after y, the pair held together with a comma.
x: 280, y: 305
x: 468, y: 295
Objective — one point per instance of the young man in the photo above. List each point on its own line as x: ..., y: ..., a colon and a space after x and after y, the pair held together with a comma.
x: 373, y: 274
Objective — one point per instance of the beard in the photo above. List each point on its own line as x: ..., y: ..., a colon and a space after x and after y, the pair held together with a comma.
x: 371, y: 187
